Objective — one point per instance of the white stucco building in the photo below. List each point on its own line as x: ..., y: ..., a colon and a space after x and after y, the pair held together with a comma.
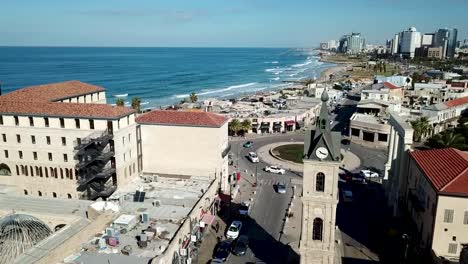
x: 61, y: 140
x: 410, y: 40
x: 184, y: 143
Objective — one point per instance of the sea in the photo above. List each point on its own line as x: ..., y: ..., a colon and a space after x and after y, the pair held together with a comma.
x: 160, y: 76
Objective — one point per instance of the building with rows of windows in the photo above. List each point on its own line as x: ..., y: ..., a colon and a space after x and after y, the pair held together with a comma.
x: 62, y: 140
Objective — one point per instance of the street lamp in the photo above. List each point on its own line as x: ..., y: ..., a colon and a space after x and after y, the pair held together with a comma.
x: 406, y: 238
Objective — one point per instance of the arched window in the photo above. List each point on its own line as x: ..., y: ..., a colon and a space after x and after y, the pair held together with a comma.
x: 320, y: 182
x: 55, y: 172
x: 67, y: 173
x: 318, y: 229
x: 32, y: 171
x: 69, y: 196
x: 54, y: 195
x: 26, y: 170
x: 25, y: 192
x: 39, y: 193
x: 22, y: 170
x: 46, y: 172
x: 61, y: 173
x: 17, y: 170
x: 5, y: 170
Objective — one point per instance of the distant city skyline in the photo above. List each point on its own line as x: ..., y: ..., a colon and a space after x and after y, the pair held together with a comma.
x: 210, y: 23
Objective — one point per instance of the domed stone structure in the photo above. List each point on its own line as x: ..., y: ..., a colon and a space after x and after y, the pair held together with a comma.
x: 18, y: 233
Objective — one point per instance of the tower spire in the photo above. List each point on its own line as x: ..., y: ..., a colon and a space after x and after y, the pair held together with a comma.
x: 323, y: 121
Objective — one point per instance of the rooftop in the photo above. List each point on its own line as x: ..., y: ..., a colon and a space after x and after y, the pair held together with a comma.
x: 390, y: 85
x: 446, y: 169
x: 182, y: 118
x: 457, y: 102
x: 42, y: 100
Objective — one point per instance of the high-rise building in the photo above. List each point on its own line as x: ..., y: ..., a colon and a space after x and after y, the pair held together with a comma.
x: 353, y: 43
x: 395, y: 44
x: 410, y: 40
x: 427, y: 39
x: 447, y: 39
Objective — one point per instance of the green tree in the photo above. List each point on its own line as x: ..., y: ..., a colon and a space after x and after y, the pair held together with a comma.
x: 136, y: 103
x: 246, y: 125
x: 447, y: 139
x: 193, y: 97
x: 234, y: 126
x: 420, y: 126
x: 119, y: 102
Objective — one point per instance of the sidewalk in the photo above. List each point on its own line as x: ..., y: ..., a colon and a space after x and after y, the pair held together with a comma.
x: 293, y: 226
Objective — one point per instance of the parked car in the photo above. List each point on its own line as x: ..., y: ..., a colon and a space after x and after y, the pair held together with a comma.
x: 281, y: 188
x: 248, y: 144
x: 357, y: 177
x: 234, y: 229
x: 347, y: 196
x: 275, y: 169
x: 369, y: 174
x: 216, y: 261
x: 253, y: 157
x: 244, y: 208
x: 240, y: 246
x: 222, y: 250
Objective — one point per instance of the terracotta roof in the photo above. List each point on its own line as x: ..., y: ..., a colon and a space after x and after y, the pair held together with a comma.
x: 457, y: 102
x: 64, y: 109
x: 390, y: 85
x: 52, y: 92
x: 182, y: 118
x: 41, y: 101
x: 446, y: 169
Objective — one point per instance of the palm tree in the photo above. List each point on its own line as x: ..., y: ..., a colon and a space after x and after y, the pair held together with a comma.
x: 234, y: 126
x: 120, y: 102
x: 136, y: 102
x: 193, y: 97
x: 246, y: 125
x: 421, y: 126
x: 447, y: 139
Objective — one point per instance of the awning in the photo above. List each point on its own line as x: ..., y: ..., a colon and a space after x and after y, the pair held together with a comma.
x: 207, y: 219
x: 290, y: 122
x: 277, y: 125
x: 265, y: 125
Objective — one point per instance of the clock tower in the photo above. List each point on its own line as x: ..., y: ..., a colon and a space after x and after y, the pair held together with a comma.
x: 322, y: 159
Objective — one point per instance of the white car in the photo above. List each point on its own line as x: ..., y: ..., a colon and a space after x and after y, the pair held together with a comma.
x: 369, y: 174
x: 234, y: 229
x: 244, y: 208
x: 275, y: 169
x: 253, y: 157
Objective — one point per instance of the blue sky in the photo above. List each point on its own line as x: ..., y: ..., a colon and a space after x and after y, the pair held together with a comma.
x: 219, y: 23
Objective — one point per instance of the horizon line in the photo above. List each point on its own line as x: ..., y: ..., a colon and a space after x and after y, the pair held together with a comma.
x: 182, y: 47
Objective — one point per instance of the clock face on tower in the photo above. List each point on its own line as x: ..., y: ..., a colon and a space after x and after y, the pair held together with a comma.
x: 321, y: 153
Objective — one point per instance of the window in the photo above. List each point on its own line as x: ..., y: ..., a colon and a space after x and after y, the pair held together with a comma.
x: 31, y: 121
x: 317, y: 229
x: 25, y: 192
x: 50, y: 156
x: 46, y: 121
x: 33, y: 139
x: 31, y: 170
x: 48, y: 140
x: 128, y: 120
x: 129, y: 137
x: 355, y: 132
x: 16, y: 121
x: 65, y: 157
x: 465, y: 218
x: 320, y: 182
x: 62, y: 122
x: 123, y: 140
x: 17, y: 170
x: 6, y: 154
x: 91, y: 124
x: 78, y: 141
x: 64, y: 141
x: 46, y: 172
x: 39, y: 193
x: 124, y: 156
x: 1, y: 120
x: 448, y: 216
x: 61, y: 173
x: 383, y: 137
x: 18, y: 138
x: 77, y: 123
x: 35, y: 155
x: 54, y: 195
x: 69, y: 196
x: 20, y: 154
x: 452, y: 248
x: 4, y: 137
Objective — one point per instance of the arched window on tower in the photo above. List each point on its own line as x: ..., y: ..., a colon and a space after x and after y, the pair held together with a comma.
x: 69, y: 196
x: 317, y: 229
x: 320, y: 182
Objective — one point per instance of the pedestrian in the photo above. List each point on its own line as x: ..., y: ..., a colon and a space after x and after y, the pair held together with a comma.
x: 217, y: 226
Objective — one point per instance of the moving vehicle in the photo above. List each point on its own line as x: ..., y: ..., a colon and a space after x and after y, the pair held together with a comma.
x: 240, y: 246
x: 347, y: 196
x: 281, y: 188
x: 244, y: 208
x: 357, y: 177
x: 248, y: 144
x: 222, y: 250
x: 369, y: 174
x: 216, y: 261
x: 275, y: 169
x: 234, y: 229
x: 253, y: 157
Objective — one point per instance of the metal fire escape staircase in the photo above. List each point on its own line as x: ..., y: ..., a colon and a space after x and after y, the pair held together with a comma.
x: 96, y: 165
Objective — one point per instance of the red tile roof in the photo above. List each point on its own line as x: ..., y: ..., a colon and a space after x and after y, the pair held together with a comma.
x: 446, y: 169
x: 182, y: 118
x: 39, y: 101
x: 52, y: 92
x: 390, y: 85
x: 457, y: 102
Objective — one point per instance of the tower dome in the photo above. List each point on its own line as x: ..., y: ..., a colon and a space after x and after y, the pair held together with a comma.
x: 324, y: 96
x: 18, y: 233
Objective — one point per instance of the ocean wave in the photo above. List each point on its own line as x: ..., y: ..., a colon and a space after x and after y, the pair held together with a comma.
x: 227, y: 89
x: 278, y: 69
x: 272, y: 62
x: 302, y: 64
x: 275, y: 79
x: 181, y: 96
